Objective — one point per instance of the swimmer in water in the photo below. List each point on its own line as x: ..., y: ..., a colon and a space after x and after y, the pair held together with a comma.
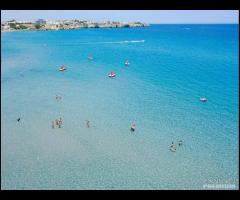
x: 56, y: 121
x: 60, y: 122
x: 133, y: 127
x: 87, y: 123
x: 18, y: 119
x: 180, y: 142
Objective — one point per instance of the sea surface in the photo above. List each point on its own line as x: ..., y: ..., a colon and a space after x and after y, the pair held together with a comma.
x: 171, y: 67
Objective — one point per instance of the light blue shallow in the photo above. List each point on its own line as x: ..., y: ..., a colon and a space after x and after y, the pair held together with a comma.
x: 159, y: 91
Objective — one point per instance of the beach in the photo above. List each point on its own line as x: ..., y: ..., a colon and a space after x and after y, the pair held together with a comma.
x: 171, y: 68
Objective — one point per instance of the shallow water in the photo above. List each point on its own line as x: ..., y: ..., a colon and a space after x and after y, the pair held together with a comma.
x: 170, y: 70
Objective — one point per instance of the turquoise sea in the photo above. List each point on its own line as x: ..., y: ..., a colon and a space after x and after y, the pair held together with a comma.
x: 159, y: 91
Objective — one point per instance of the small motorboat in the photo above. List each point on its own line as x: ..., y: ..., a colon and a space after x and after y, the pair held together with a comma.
x: 90, y: 58
x: 127, y: 63
x: 112, y: 74
x: 203, y: 99
x: 62, y: 68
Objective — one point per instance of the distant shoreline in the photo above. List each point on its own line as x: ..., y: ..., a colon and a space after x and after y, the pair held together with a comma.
x: 14, y: 25
x: 28, y: 30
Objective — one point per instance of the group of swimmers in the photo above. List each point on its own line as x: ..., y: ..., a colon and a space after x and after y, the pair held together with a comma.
x: 58, y: 97
x: 173, y: 147
x: 57, y: 122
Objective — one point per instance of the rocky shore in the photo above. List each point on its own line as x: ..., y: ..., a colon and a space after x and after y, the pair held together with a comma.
x: 65, y: 25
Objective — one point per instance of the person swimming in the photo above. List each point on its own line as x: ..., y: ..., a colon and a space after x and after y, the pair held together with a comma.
x: 87, y: 123
x: 58, y: 97
x: 60, y: 122
x: 133, y: 127
x: 56, y: 121
x: 180, y: 142
x: 18, y: 119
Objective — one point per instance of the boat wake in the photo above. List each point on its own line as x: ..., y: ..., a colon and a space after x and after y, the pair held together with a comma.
x: 118, y: 42
x: 133, y: 41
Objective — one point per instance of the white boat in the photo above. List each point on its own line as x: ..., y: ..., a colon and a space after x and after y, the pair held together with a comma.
x: 90, y: 58
x: 112, y: 74
x: 203, y: 99
x: 62, y: 68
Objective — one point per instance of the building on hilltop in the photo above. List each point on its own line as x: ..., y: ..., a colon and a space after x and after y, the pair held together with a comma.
x: 41, y: 21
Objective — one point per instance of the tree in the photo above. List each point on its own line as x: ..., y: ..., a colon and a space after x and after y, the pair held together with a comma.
x: 12, y: 25
x: 38, y: 26
x: 22, y: 26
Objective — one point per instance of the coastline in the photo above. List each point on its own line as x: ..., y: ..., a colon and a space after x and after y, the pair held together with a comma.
x: 66, y: 25
x: 28, y: 30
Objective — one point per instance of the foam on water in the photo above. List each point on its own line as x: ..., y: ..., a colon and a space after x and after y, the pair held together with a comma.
x: 159, y: 91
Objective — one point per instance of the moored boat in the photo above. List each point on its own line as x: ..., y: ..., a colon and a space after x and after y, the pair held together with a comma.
x: 203, y: 99
x: 90, y: 58
x: 111, y: 74
x: 62, y: 68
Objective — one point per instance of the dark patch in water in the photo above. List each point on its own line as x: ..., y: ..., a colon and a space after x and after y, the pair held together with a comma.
x: 4, y: 80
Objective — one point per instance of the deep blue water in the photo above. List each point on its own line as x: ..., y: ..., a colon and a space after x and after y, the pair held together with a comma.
x: 159, y: 91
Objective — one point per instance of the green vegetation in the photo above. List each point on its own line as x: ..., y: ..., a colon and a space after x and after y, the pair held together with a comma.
x: 17, y: 26
x: 38, y: 26
x: 13, y: 25
x: 22, y: 26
